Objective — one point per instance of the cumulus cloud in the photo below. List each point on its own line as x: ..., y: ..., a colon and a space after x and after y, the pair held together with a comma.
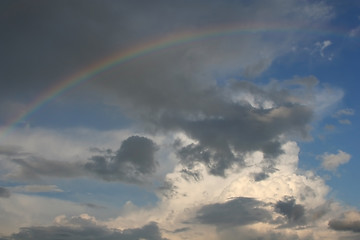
x: 236, y: 124
x: 134, y: 160
x: 237, y: 205
x: 349, y: 221
x: 331, y: 162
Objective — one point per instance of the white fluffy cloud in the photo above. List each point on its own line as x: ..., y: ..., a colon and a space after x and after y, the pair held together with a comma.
x: 187, y: 203
x: 331, y: 162
x: 179, y: 210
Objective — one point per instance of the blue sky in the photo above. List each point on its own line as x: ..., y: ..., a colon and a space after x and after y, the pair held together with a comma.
x: 250, y: 134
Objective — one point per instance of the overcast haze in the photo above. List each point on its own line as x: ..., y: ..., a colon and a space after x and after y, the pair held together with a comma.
x: 243, y: 126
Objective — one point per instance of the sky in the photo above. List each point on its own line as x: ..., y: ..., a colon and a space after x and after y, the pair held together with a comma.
x: 171, y: 120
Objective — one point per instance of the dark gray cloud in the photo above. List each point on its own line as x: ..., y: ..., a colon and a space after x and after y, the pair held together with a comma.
x: 4, y: 192
x: 48, y: 41
x: 174, y: 89
x: 260, y: 176
x: 225, y: 126
x: 131, y: 163
x: 346, y: 222
x: 294, y: 213
x: 186, y: 88
x: 236, y: 212
x: 86, y: 230
x: 341, y: 225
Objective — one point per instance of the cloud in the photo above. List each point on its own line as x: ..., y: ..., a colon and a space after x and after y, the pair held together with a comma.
x: 349, y: 221
x: 85, y: 227
x: 131, y: 163
x: 329, y: 127
x: 236, y: 212
x: 294, y: 213
x: 331, y: 162
x: 9, y: 150
x: 340, y: 114
x: 177, y: 89
x: 179, y: 230
x: 33, y: 167
x: 345, y: 121
x: 125, y: 24
x: 354, y: 32
x: 253, y: 201
x: 236, y: 162
x: 323, y: 45
x: 37, y: 188
x: 235, y: 125
x: 31, y: 210
x: 345, y: 111
x: 4, y: 192
x: 92, y: 205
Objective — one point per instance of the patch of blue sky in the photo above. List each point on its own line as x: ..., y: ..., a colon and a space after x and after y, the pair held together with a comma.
x: 115, y: 194
x: 94, y: 115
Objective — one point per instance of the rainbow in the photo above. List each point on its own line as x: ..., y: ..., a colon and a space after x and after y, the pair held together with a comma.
x: 121, y: 57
